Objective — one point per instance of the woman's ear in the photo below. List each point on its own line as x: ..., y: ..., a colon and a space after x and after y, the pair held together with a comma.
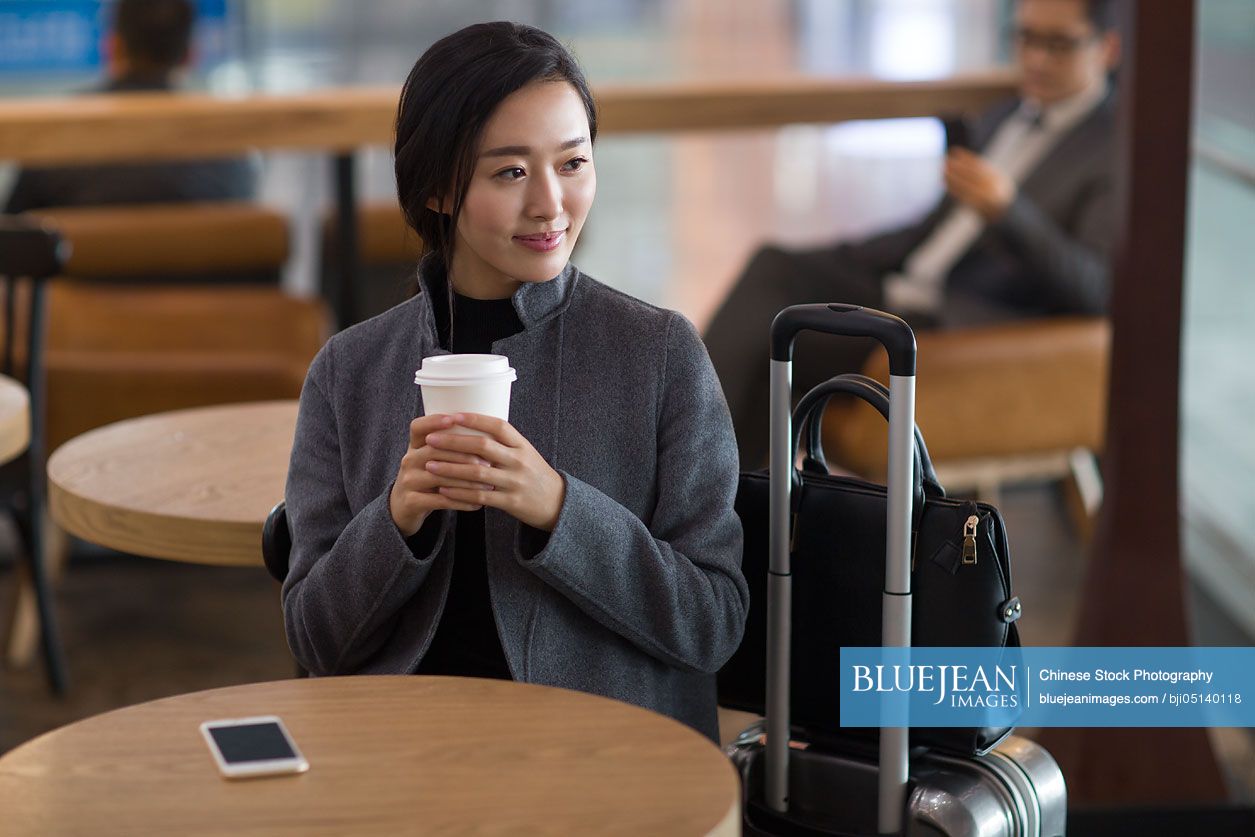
x: 438, y: 205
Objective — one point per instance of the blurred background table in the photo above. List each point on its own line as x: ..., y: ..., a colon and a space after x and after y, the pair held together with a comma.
x: 388, y: 755
x: 188, y: 485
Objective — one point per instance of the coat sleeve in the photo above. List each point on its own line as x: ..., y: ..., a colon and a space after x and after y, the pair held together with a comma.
x: 1071, y: 266
x: 351, y: 571
x: 673, y: 588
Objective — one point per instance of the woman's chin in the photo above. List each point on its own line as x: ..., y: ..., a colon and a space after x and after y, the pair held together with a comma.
x: 539, y: 269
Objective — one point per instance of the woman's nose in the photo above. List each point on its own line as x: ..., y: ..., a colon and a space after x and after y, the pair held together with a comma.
x: 544, y: 197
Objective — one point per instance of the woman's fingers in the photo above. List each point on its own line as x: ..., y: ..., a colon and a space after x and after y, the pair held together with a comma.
x: 421, y: 426
x: 421, y: 502
x: 484, y: 447
x: 499, y: 429
x: 493, y: 499
x: 468, y: 476
x: 415, y: 460
x: 428, y: 481
x: 442, y: 502
x: 427, y: 453
x: 439, y: 481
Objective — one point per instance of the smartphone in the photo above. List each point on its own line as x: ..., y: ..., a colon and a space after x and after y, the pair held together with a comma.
x: 247, y: 747
x: 958, y: 132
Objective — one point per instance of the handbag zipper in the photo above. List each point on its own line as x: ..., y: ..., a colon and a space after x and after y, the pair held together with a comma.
x: 969, y: 539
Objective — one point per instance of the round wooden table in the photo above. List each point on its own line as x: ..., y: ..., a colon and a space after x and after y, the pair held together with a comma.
x: 189, y: 485
x: 15, y: 419
x: 388, y: 755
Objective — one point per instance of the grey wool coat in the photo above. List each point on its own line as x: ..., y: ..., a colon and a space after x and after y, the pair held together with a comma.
x: 637, y: 594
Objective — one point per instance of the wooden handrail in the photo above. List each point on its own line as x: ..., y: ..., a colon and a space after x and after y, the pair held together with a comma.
x: 724, y: 105
x: 98, y: 128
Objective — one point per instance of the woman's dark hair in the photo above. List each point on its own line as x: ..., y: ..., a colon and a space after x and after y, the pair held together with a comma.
x: 447, y: 100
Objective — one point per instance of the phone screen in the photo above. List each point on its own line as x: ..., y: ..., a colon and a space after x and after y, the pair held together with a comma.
x: 252, y: 742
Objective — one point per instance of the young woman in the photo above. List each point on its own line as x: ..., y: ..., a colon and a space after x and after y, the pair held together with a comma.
x: 590, y: 541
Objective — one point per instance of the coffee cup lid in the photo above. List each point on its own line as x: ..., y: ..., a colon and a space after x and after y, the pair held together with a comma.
x: 460, y: 370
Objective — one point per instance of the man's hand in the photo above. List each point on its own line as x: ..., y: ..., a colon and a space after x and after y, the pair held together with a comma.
x: 416, y: 492
x: 519, y: 481
x: 972, y: 181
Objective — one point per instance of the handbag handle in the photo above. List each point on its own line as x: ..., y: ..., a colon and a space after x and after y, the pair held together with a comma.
x: 874, y: 393
x: 810, y: 410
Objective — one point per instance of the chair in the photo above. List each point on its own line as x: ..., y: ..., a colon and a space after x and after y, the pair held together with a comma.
x: 276, y: 549
x: 276, y: 542
x: 998, y: 404
x: 32, y: 252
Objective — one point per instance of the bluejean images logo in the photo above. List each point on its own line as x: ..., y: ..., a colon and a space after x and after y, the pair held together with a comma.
x: 1044, y: 687
x: 958, y: 686
x: 931, y: 687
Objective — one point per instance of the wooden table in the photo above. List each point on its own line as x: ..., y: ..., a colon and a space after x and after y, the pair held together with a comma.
x: 388, y: 755
x: 189, y: 485
x: 15, y: 423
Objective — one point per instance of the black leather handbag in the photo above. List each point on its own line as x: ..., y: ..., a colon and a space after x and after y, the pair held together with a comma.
x: 960, y: 579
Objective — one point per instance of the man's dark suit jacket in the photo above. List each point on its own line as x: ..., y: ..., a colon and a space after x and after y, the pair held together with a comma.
x: 118, y: 183
x: 1046, y: 256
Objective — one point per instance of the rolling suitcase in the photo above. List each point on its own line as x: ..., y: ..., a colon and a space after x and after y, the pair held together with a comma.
x: 792, y: 786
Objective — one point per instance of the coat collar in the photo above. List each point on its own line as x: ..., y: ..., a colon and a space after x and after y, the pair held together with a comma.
x: 534, y: 302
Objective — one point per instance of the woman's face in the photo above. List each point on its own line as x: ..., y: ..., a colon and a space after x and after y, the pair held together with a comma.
x: 531, y: 190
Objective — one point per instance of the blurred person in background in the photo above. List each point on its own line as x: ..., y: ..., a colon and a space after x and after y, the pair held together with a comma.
x: 147, y: 49
x: 1023, y: 230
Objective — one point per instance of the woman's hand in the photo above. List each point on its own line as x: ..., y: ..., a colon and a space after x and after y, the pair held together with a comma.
x: 520, y: 481
x: 415, y: 493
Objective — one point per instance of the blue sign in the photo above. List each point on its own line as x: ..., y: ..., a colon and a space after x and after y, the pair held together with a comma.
x: 65, y: 36
x: 50, y: 36
x: 1048, y: 687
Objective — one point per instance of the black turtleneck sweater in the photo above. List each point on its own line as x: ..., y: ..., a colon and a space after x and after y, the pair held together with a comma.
x: 466, y: 641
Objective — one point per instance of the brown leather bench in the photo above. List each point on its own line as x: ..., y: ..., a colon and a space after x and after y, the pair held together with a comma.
x: 172, y: 244
x: 121, y: 352
x: 117, y: 350
x: 996, y: 405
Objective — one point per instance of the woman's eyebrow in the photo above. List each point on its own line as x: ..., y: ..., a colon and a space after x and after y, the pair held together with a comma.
x: 523, y: 150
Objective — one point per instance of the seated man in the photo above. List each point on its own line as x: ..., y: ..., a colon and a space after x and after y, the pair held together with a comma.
x: 148, y: 46
x: 1023, y: 230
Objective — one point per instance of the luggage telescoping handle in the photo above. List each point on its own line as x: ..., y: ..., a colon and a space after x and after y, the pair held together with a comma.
x: 899, y: 341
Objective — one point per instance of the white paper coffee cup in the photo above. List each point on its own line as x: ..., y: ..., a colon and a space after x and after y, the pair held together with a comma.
x: 466, y: 384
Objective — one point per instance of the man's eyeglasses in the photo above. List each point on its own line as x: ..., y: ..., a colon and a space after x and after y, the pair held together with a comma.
x: 1055, y: 45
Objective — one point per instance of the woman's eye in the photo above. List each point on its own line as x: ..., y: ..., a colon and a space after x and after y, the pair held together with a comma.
x: 512, y: 173
x: 575, y: 164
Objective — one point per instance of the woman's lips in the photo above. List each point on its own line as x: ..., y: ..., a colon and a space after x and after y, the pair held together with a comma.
x: 541, y: 242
